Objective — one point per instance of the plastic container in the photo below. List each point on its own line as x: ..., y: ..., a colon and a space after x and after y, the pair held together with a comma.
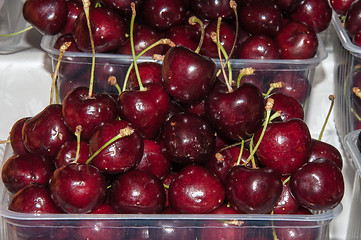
x: 11, y: 21
x: 354, y: 154
x: 75, y: 69
x: 158, y: 226
x: 346, y: 71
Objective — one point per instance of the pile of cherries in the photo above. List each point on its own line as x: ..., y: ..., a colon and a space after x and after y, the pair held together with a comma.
x: 266, y: 29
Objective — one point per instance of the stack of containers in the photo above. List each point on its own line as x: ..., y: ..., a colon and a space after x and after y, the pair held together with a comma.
x: 347, y: 67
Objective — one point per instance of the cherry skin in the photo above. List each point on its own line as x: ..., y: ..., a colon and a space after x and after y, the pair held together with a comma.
x: 137, y: 191
x: 46, y: 132
x: 120, y: 156
x: 163, y: 14
x: 195, y: 190
x: 67, y: 153
x: 67, y: 38
x: 322, y: 149
x: 153, y: 160
x: 315, y: 13
x: 145, y: 109
x: 74, y: 9
x: 88, y: 112
x: 253, y: 190
x: 260, y: 17
x: 297, y: 41
x: 21, y: 170
x: 15, y: 136
x: 187, y: 138
x: 287, y: 6
x: 149, y: 72
x: 353, y: 19
x: 237, y: 114
x: 287, y: 204
x: 211, y: 9
x: 341, y: 6
x: 179, y: 74
x: 184, y: 35
x: 108, y: 29
x: 48, y: 16
x: 289, y: 106
x: 285, y: 146
x: 259, y: 47
x: 123, y: 6
x: 77, y: 188
x: 318, y: 185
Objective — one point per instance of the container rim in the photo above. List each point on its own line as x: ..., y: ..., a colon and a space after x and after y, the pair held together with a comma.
x: 47, y: 43
x: 4, y: 212
x: 343, y: 36
x: 350, y: 140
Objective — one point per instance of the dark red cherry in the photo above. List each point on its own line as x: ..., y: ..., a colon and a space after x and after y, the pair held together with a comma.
x: 353, y: 19
x: 68, y: 151
x: 321, y: 149
x: 48, y: 16
x: 149, y: 72
x: 288, y: 106
x: 259, y: 47
x: 196, y: 190
x: 287, y: 204
x: 108, y: 29
x: 15, y: 136
x: 67, y: 38
x: 123, y: 6
x: 341, y: 6
x: 74, y: 9
x: 187, y: 138
x: 211, y: 9
x: 185, y: 35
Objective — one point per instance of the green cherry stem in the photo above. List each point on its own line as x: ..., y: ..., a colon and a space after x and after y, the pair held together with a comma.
x: 233, y: 5
x: 240, y: 153
x: 332, y: 99
x: 193, y: 20
x: 274, y: 86
x: 269, y: 106
x: 112, y: 80
x: 54, y: 75
x: 127, y: 131
x: 77, y: 133
x: 16, y: 33
x: 86, y: 6
x: 244, y: 72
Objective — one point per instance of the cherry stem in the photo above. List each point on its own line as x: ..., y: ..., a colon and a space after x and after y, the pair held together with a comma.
x: 275, y: 115
x: 141, y: 87
x: 332, y: 99
x: 164, y: 41
x: 274, y: 86
x: 218, y: 42
x: 112, y: 80
x: 16, y: 33
x: 233, y: 5
x: 165, y: 186
x: 124, y: 132
x: 244, y: 72
x: 268, y: 108
x: 54, y: 75
x: 193, y: 20
x: 284, y: 182
x: 86, y: 6
x: 240, y: 153
x: 5, y: 141
x: 77, y: 133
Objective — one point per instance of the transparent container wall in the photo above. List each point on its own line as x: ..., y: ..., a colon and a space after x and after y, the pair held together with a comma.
x: 11, y: 21
x: 347, y: 70
x: 354, y: 154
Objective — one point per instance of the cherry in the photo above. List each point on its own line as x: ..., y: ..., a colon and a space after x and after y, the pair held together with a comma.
x: 253, y: 190
x: 183, y: 68
x: 67, y: 38
x: 260, y: 17
x: 137, y: 191
x: 318, y: 185
x: 67, y: 153
x: 195, y: 190
x: 315, y: 13
x: 144, y: 36
x: 287, y: 6
x: 77, y: 188
x: 237, y: 114
x: 46, y: 132
x: 322, y: 149
x: 297, y: 41
x: 212, y: 9
x: 259, y: 47
x: 187, y: 138
x: 353, y: 19
x: 80, y: 109
x: 121, y: 155
x: 21, y: 170
x: 288, y: 106
x: 15, y: 136
x: 162, y: 14
x: 108, y: 30
x: 48, y: 16
x: 287, y: 204
x: 33, y: 199
x: 123, y: 6
x: 184, y: 35
x: 285, y: 146
x: 227, y: 37
x: 341, y: 6
x: 74, y: 9
x: 149, y: 72
x: 146, y: 109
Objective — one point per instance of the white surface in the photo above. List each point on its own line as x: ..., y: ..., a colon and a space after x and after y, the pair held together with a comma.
x: 25, y: 90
